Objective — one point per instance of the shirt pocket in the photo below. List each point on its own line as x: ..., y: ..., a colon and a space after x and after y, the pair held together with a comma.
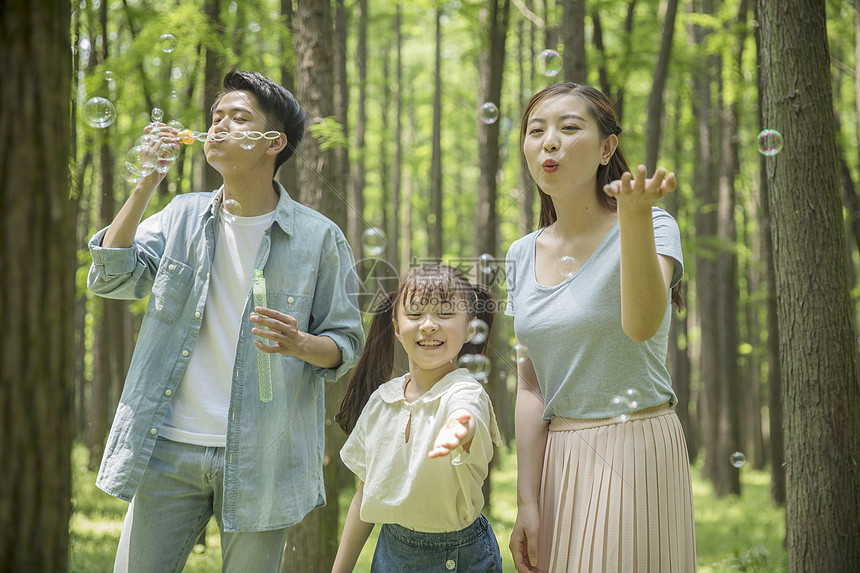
x: 170, y: 290
x: 296, y: 305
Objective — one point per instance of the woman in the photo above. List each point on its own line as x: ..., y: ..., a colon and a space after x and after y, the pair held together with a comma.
x: 602, y: 465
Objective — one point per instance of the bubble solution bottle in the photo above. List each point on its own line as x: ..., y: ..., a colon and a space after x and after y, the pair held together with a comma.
x: 264, y: 359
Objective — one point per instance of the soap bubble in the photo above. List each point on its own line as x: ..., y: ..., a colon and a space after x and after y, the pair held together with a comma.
x: 157, y: 115
x: 233, y: 207
x: 480, y: 329
x: 567, y: 266
x: 139, y: 162
x: 99, y: 112
x: 486, y: 263
x: 548, y: 63
x: 373, y: 241
x: 167, y: 43
x: 488, y: 113
x: 769, y: 142
x: 738, y: 459
x: 108, y: 76
x: 477, y: 364
x: 167, y: 154
x: 518, y: 353
x: 631, y: 395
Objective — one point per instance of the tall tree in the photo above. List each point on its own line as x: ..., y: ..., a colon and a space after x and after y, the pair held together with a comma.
x: 317, y: 534
x: 397, y: 176
x: 288, y: 173
x: 816, y: 316
x: 37, y: 301
x: 573, y: 36
x: 656, y: 115
x: 435, y: 228
x: 355, y: 216
x: 213, y: 73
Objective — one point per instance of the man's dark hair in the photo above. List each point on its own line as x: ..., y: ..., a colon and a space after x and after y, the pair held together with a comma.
x: 280, y: 109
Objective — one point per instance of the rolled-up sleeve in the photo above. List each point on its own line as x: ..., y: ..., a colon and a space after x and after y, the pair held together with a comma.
x: 127, y: 273
x: 335, y: 308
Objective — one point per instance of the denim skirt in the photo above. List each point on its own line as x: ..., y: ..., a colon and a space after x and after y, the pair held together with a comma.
x: 473, y: 549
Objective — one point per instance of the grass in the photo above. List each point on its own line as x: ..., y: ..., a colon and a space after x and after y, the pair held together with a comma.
x: 732, y: 533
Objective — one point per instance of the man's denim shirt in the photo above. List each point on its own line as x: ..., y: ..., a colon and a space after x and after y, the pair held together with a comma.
x: 274, y: 454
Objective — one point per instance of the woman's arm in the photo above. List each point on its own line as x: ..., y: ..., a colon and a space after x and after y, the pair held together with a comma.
x: 645, y: 275
x: 355, y: 534
x: 531, y: 433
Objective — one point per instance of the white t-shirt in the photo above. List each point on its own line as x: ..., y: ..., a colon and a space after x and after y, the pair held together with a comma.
x: 198, y: 413
x: 401, y: 484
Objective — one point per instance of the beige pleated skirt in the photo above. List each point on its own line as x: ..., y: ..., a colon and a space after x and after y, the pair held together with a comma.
x: 616, y: 496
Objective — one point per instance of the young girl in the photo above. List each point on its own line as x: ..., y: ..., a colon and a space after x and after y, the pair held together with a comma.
x: 420, y: 443
x: 603, y: 477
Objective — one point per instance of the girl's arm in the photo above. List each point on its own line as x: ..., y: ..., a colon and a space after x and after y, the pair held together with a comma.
x: 355, y: 534
x: 459, y: 429
x: 531, y: 432
x: 645, y: 275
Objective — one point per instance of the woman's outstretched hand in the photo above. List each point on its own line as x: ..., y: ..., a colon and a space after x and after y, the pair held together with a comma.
x: 641, y: 190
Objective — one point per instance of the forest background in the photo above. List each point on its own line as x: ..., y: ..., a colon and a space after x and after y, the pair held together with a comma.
x: 764, y: 356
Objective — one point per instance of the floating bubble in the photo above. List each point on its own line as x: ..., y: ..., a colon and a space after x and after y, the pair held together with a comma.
x: 477, y: 364
x: 617, y: 401
x: 99, y: 112
x: 518, y: 353
x: 167, y: 154
x: 139, y: 162
x: 738, y: 459
x: 631, y: 395
x: 548, y: 63
x: 486, y: 263
x: 373, y: 241
x: 488, y: 113
x: 233, y: 207
x: 156, y: 115
x: 480, y: 331
x: 175, y: 125
x: 769, y: 142
x: 167, y: 43
x: 567, y: 266
x: 108, y: 76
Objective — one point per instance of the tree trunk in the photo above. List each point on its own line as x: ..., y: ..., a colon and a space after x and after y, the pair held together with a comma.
x: 316, y: 536
x: 355, y: 216
x: 213, y: 75
x: 288, y: 173
x: 526, y: 196
x: 398, y: 142
x: 37, y: 301
x: 707, y: 279
x: 654, y: 121
x: 435, y: 219
x: 816, y: 315
x: 573, y: 36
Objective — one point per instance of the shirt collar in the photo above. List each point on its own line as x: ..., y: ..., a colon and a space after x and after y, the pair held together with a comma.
x: 393, y: 391
x: 284, y: 211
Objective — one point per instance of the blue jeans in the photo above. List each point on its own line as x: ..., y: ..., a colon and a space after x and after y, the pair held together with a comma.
x: 181, y: 488
x: 470, y: 550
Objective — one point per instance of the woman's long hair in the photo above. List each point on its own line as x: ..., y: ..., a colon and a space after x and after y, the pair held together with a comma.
x: 375, y: 366
x: 606, y: 120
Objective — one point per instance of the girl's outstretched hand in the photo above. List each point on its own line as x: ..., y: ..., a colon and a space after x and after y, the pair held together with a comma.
x: 641, y: 191
x: 458, y: 430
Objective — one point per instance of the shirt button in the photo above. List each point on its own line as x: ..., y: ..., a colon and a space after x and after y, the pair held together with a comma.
x: 184, y: 353
x: 171, y: 266
x: 290, y: 300
x: 168, y: 392
x: 450, y: 564
x: 153, y: 431
x: 197, y: 314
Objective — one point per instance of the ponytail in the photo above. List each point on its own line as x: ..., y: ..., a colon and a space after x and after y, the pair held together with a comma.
x: 374, y: 366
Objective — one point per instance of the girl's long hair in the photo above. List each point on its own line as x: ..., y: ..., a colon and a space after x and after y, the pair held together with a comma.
x: 376, y: 363
x: 606, y: 120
